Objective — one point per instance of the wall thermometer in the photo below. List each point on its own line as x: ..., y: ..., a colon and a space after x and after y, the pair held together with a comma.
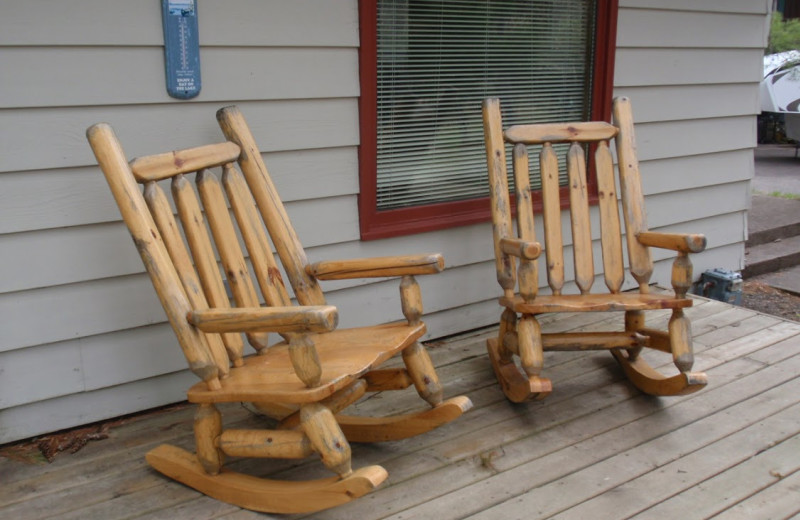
x: 181, y: 48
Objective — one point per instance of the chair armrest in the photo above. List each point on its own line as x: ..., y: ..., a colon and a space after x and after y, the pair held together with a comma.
x: 521, y: 248
x: 684, y: 243
x: 317, y: 318
x: 376, y: 267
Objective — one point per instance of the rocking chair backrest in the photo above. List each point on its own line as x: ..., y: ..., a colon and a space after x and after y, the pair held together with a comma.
x: 185, y: 273
x: 578, y: 135
x: 289, y: 248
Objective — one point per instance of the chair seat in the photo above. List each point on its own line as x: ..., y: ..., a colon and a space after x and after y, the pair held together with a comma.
x: 595, y: 302
x: 344, y: 354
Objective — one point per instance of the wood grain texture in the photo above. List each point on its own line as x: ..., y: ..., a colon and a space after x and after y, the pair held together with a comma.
x: 641, y: 263
x: 303, y: 381
x: 344, y: 354
x: 326, y: 438
x: 517, y: 386
x: 498, y: 194
x: 283, y: 235
x: 594, y: 425
x: 411, y: 299
x: 523, y: 337
x: 611, y: 238
x: 682, y: 242
x: 529, y: 345
x: 265, y: 495
x: 522, y: 249
x: 151, y: 248
x: 204, y: 256
x: 162, y: 215
x: 528, y: 273
x: 560, y: 133
x: 579, y: 218
x: 274, y: 319
x: 337, y: 402
x: 253, y: 233
x: 207, y: 429
x: 376, y: 267
x: 166, y: 165
x: 278, y: 444
x: 595, y: 302
x: 551, y: 213
x: 404, y: 426
x: 234, y: 265
x: 422, y: 374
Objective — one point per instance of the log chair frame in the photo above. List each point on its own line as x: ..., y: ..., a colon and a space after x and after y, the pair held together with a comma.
x: 520, y: 333
x: 304, y: 381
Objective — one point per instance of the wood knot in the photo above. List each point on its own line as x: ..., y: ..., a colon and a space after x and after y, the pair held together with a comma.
x: 177, y: 161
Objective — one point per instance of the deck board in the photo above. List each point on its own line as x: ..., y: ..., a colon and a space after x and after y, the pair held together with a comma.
x: 595, y: 447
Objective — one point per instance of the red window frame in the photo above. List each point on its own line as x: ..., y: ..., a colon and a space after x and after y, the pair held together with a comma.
x: 418, y: 219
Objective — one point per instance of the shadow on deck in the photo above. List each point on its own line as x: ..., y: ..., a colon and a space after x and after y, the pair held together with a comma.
x: 595, y: 448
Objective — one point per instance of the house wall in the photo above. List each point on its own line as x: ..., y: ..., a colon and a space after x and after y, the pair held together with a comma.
x: 82, y: 335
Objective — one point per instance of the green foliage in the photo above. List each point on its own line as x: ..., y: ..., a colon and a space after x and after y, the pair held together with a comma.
x: 791, y: 196
x: 783, y: 35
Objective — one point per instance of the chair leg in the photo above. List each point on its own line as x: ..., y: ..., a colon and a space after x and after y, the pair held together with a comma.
x: 531, y: 354
x: 677, y: 340
x: 508, y: 327
x: 321, y: 433
x: 422, y: 373
x: 634, y: 322
x: 207, y: 429
x: 526, y: 341
x: 680, y: 338
x: 326, y: 437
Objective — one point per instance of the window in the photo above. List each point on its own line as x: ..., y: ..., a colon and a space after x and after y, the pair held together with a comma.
x: 426, y: 65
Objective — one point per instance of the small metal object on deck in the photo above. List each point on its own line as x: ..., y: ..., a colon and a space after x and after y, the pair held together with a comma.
x: 720, y: 284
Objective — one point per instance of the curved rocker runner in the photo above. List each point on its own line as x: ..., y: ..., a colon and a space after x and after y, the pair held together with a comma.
x: 306, y: 379
x: 517, y: 354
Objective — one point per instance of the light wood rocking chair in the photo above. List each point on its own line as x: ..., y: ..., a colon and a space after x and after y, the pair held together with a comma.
x: 306, y: 380
x: 520, y: 334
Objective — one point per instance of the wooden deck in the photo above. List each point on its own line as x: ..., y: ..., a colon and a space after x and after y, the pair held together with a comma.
x: 596, y: 448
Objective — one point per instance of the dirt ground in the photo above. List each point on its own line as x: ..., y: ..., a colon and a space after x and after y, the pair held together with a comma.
x: 761, y: 297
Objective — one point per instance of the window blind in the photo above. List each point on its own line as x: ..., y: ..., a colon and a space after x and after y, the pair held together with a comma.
x: 438, y: 59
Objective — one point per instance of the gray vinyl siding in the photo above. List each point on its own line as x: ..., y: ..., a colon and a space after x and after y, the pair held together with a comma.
x: 82, y: 335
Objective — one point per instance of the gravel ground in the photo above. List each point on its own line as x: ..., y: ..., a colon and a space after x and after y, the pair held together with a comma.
x: 761, y: 297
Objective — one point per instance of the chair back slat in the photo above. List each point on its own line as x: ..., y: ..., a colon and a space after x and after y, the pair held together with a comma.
x: 230, y: 252
x: 205, y: 260
x: 169, y: 164
x: 581, y: 222
x: 641, y: 262
x: 528, y: 273
x: 499, y: 197
x: 264, y: 266
x: 284, y: 237
x: 611, y: 238
x: 560, y: 133
x: 162, y: 215
x: 148, y: 241
x: 617, y: 185
x: 551, y: 213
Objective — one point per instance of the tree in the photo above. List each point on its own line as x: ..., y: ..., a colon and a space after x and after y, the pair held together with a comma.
x: 784, y: 35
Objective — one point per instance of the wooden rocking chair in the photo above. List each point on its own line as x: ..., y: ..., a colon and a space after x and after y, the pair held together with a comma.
x: 520, y: 333
x: 304, y: 381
